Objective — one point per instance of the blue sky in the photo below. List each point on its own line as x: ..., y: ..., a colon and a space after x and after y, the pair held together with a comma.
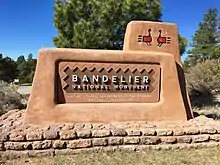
x: 27, y: 25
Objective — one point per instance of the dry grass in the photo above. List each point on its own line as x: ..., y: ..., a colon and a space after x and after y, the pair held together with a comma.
x: 209, y: 156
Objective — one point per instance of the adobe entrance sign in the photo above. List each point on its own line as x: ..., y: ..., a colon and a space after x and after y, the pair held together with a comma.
x: 143, y: 82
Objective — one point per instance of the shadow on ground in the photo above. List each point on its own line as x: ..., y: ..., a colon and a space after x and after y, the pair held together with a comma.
x: 207, y: 105
x: 205, y: 100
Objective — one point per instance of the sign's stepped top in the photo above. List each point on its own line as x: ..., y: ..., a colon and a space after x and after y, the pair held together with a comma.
x: 152, y: 36
x: 108, y: 67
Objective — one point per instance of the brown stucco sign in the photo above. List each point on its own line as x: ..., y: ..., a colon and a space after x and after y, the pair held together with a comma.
x: 108, y: 82
x: 144, y: 82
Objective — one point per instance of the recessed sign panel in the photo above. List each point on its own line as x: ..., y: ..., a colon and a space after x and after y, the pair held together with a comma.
x: 108, y: 82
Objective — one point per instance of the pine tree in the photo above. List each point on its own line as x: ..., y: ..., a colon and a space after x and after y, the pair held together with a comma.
x: 26, y: 68
x: 99, y: 24
x: 8, y: 69
x: 205, y: 44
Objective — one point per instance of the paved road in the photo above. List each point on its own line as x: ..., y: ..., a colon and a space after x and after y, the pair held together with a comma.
x: 24, y: 89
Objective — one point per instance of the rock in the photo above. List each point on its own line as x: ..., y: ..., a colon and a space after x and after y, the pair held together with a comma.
x: 84, y: 134
x: 118, y: 132
x: 68, y: 127
x: 150, y: 140
x: 59, y: 144
x: 85, y: 143
x: 4, y: 137
x: 2, y: 147
x: 14, y: 146
x: 33, y: 136
x: 164, y: 132
x: 218, y: 129
x: 44, y: 128
x: 115, y: 141
x: 46, y: 144
x: 17, y: 136
x: 200, y: 138
x: 133, y: 132
x: 131, y: 140
x: 28, y: 145
x: 99, y: 142
x: 101, y: 133
x: 148, y: 132
x: 191, y: 131
x: 56, y: 127
x: 202, y: 118
x: 215, y: 137
x: 88, y: 126
x: 79, y: 126
x: 51, y: 134
x: 38, y: 145
x: 178, y: 132
x: 18, y: 145
x: 184, y: 139
x: 17, y: 123
x: 68, y: 135
x: 208, y: 130
x: 9, y: 114
x: 168, y: 140
x: 98, y: 126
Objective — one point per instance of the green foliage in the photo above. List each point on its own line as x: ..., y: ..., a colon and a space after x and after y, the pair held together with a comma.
x: 26, y: 68
x: 101, y: 24
x: 20, y: 60
x: 206, y: 39
x: 98, y: 23
x: 22, y: 69
x: 8, y: 69
x: 9, y: 98
x: 182, y: 44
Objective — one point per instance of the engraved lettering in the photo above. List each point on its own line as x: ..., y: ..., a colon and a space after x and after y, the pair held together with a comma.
x: 122, y: 79
x: 104, y: 78
x: 137, y: 79
x: 106, y: 84
x: 74, y: 78
x: 95, y: 78
x: 85, y: 79
x: 145, y: 79
x: 114, y: 79
x: 129, y: 79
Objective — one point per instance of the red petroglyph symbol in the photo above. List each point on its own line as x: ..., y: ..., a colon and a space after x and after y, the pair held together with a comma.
x: 147, y: 39
x: 162, y: 40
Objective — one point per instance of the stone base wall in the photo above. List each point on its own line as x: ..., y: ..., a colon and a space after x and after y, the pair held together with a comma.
x: 18, y: 140
x: 56, y: 142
